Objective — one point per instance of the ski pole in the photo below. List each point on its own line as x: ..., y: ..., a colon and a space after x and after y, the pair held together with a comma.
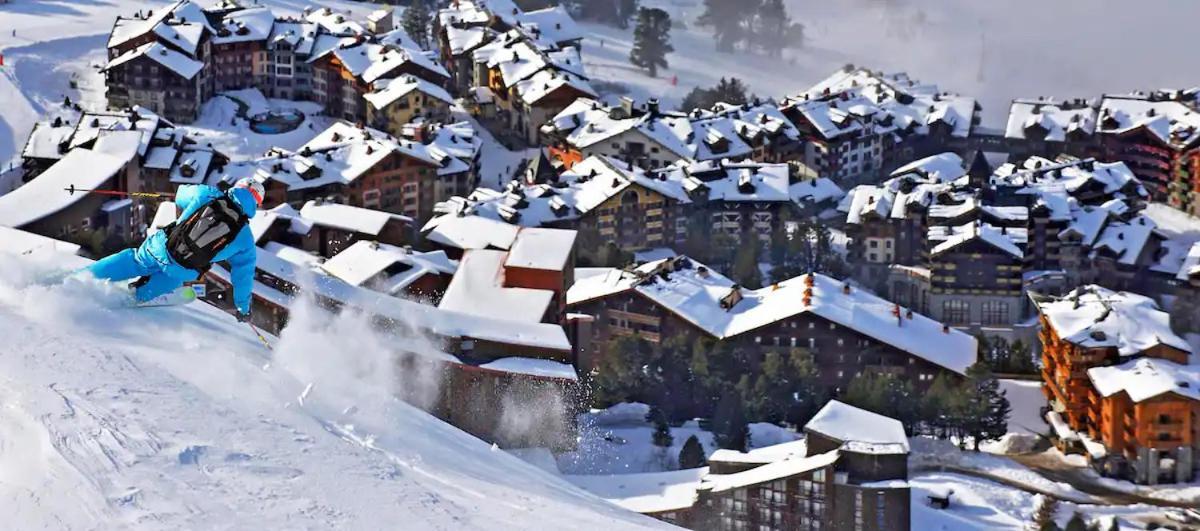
x: 72, y: 189
x: 260, y: 336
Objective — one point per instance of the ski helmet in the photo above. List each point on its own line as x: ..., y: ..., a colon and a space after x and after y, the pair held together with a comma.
x: 254, y: 187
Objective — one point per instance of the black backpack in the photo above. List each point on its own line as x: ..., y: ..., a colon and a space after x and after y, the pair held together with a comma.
x: 194, y: 242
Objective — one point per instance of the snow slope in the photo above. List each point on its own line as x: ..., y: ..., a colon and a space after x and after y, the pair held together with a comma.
x: 177, y: 418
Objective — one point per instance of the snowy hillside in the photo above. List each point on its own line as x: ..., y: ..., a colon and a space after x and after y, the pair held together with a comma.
x: 178, y: 418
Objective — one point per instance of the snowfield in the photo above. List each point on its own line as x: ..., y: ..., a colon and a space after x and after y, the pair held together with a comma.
x: 178, y: 418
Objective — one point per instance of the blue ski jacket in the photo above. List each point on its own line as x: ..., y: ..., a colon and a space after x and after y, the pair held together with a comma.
x: 241, y: 253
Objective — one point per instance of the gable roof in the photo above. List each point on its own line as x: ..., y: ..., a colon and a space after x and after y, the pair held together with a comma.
x: 846, y: 423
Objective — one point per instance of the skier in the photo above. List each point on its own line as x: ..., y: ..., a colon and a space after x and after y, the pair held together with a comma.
x: 212, y: 227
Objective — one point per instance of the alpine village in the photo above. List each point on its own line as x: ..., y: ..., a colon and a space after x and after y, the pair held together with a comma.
x: 853, y: 307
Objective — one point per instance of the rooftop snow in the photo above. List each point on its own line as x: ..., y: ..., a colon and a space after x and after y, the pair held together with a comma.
x: 646, y: 493
x: 533, y: 367
x: 1006, y: 239
x: 764, y: 455
x: 544, y: 249
x: 1057, y: 119
x: 1146, y: 378
x: 695, y: 296
x: 478, y: 289
x: 350, y: 218
x: 47, y: 193
x: 1191, y: 264
x: 470, y: 232
x: 250, y: 24
x: 365, y: 263
x: 943, y: 168
x: 1097, y: 317
x: 174, y: 61
x: 769, y: 472
x: 45, y: 141
x: 1173, y: 121
x: 847, y: 423
x: 387, y: 91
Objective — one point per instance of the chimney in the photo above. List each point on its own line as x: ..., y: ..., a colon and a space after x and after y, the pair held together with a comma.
x: 652, y: 106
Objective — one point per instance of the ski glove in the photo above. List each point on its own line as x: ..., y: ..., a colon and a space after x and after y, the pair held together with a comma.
x: 243, y: 317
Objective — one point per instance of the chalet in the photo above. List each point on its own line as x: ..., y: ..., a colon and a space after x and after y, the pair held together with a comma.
x: 859, y: 123
x: 1046, y: 127
x: 678, y: 297
x: 612, y: 202
x: 159, y: 78
x: 397, y: 102
x: 1124, y: 395
x: 239, y: 49
x: 1157, y: 135
x: 849, y: 472
x: 652, y: 139
x: 44, y: 206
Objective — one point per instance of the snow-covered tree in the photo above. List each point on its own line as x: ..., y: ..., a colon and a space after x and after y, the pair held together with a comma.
x: 1044, y: 512
x: 651, y: 40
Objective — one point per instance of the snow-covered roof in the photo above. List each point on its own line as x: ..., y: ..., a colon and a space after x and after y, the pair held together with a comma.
x: 47, y: 193
x: 21, y: 243
x: 439, y: 321
x: 1006, y: 239
x: 192, y: 166
x: 1055, y: 118
x: 174, y: 61
x: 695, y: 292
x: 300, y: 37
x: 46, y: 141
x: 1038, y: 175
x: 769, y: 472
x: 335, y: 22
x: 846, y: 423
x: 263, y: 221
x: 478, y: 289
x: 244, y: 25
x: 1097, y: 317
x: 648, y: 492
x: 1125, y: 241
x: 1170, y: 116
x: 387, y: 91
x: 861, y: 102
x: 588, y: 185
x: 93, y: 124
x: 374, y: 265
x: 749, y: 181
x: 1191, y: 264
x: 1146, y: 378
x: 470, y: 232
x: 890, y: 199
x: 943, y: 167
x: 533, y: 367
x: 764, y: 455
x: 544, y: 249
x: 350, y: 218
x: 553, y: 25
x: 182, y: 22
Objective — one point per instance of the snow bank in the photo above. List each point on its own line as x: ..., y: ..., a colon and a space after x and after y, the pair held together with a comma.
x: 619, y: 414
x: 115, y: 417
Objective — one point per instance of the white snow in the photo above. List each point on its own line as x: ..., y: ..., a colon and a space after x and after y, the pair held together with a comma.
x: 1097, y: 317
x: 847, y: 423
x: 543, y: 249
x: 647, y: 492
x: 47, y: 194
x: 770, y: 472
x: 1146, y: 378
x: 533, y: 367
x: 350, y: 218
x: 470, y: 232
x: 110, y: 421
x: 478, y: 289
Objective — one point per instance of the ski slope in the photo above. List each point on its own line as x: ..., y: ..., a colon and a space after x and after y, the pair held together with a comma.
x: 174, y: 418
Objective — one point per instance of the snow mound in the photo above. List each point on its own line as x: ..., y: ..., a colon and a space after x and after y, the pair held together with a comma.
x: 168, y: 418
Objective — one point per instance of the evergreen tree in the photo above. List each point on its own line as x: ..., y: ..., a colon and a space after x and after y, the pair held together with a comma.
x: 651, y: 40
x: 745, y: 263
x: 987, y: 408
x: 692, y: 454
x: 729, y: 423
x: 416, y: 22
x: 625, y: 11
x: 773, y: 26
x: 622, y: 373
x: 1043, y: 514
x: 940, y: 407
x: 726, y: 18
x: 732, y: 91
x: 662, y: 431
x: 1076, y: 523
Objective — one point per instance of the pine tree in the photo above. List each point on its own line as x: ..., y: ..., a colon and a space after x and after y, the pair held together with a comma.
x: 732, y: 91
x: 729, y: 423
x: 651, y: 40
x: 1076, y: 523
x: 692, y: 454
x: 662, y: 431
x: 773, y: 25
x: 726, y: 18
x: 1044, y: 512
x: 416, y: 23
x: 745, y: 263
x: 987, y: 407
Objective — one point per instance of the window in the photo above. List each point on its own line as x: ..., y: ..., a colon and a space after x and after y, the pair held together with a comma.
x: 995, y: 313
x: 956, y: 312
x: 841, y: 342
x: 812, y: 343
